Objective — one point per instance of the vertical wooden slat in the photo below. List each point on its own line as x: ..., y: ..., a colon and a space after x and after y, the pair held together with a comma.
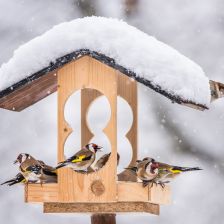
x: 127, y: 89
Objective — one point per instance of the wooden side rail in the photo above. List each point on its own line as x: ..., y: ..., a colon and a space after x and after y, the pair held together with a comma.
x: 126, y: 192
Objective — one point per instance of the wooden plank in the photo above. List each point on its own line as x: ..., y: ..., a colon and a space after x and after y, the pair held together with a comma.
x: 38, y: 193
x: 128, y: 90
x: 131, y: 191
x: 87, y: 72
x: 159, y: 195
x: 126, y: 191
x: 103, y: 219
x: 113, y: 207
x: 30, y: 93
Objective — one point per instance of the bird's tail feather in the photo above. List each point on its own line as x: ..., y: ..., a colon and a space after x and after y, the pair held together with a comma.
x: 13, y: 182
x: 8, y: 181
x: 186, y: 169
x: 60, y: 165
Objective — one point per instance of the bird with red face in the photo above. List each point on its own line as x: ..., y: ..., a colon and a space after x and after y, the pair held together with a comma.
x: 34, y: 170
x: 150, y: 171
x: 83, y: 159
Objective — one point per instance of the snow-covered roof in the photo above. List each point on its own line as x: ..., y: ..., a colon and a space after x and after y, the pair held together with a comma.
x: 149, y: 60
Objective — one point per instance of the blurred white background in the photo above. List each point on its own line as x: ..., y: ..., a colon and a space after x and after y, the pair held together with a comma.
x: 168, y: 132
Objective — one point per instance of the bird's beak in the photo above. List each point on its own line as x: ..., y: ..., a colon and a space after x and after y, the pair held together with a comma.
x: 99, y: 148
x: 16, y: 161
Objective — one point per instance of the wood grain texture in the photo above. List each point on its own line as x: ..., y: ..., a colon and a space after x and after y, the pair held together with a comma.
x: 87, y: 72
x: 30, y: 93
x: 113, y: 207
x: 131, y: 191
x: 159, y: 195
x: 38, y: 193
x: 128, y: 90
x: 103, y: 219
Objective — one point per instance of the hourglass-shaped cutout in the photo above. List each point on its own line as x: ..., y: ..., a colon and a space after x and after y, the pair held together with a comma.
x: 96, y: 119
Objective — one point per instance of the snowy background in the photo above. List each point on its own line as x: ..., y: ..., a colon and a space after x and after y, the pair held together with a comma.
x: 168, y: 132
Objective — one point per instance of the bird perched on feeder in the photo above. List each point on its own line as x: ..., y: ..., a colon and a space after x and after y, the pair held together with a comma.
x: 35, y: 170
x: 83, y: 159
x: 151, y: 171
x: 146, y: 170
x: 19, y: 178
x: 168, y: 172
x: 103, y: 160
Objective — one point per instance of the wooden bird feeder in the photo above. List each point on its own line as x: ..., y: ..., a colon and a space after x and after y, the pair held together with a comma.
x: 102, y: 192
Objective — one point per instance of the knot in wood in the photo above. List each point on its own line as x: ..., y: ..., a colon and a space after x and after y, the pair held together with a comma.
x: 97, y: 187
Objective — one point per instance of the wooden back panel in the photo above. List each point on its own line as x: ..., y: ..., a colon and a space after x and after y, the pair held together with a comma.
x: 87, y: 72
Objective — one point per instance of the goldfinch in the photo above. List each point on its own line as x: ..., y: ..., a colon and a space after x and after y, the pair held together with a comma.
x: 168, y: 172
x: 83, y: 159
x: 103, y: 160
x: 146, y: 170
x: 39, y: 174
x: 151, y: 171
x: 35, y: 170
x: 19, y: 178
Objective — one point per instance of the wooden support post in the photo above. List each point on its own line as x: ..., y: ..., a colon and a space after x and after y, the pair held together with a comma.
x: 103, y: 219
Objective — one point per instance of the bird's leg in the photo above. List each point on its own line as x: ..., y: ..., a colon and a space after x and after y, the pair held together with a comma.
x: 41, y: 178
x: 162, y: 184
x: 145, y: 183
x: 152, y: 184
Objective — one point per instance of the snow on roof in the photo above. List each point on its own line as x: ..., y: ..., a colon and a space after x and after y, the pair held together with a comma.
x: 131, y: 48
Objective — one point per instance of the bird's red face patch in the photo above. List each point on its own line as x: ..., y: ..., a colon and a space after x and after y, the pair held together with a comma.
x: 154, y: 166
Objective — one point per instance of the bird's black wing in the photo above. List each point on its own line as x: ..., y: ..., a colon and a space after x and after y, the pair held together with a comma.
x: 34, y: 168
x: 49, y: 172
